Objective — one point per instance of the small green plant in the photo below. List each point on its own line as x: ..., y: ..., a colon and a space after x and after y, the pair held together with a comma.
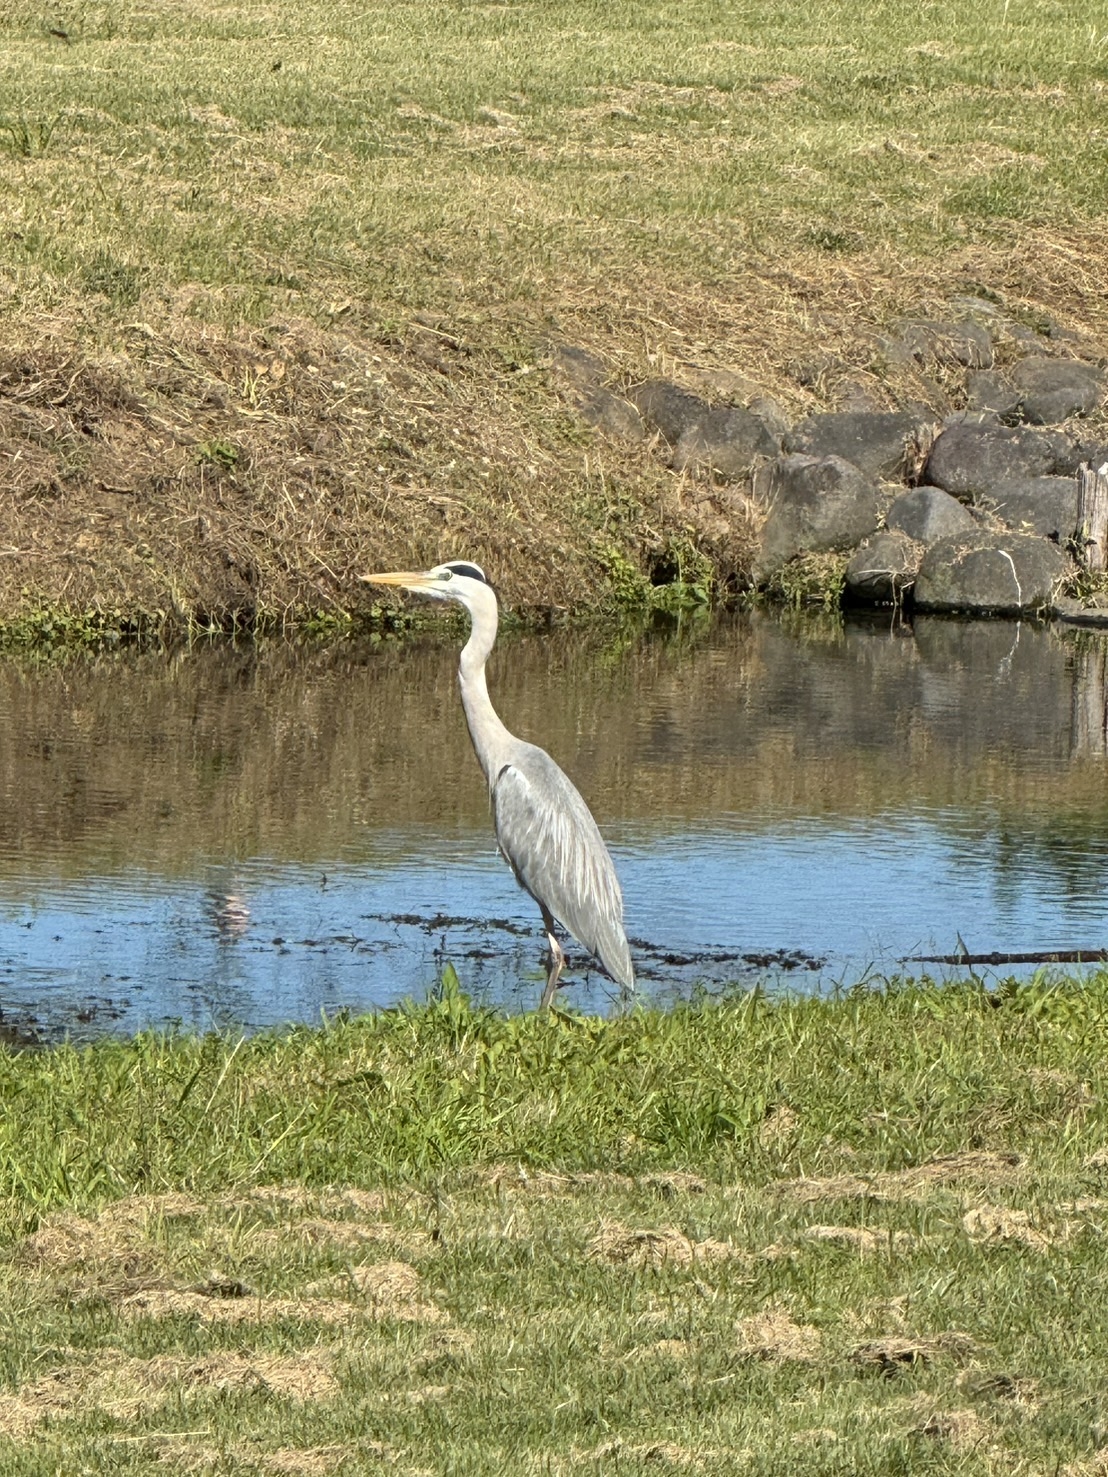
x: 325, y: 623
x: 630, y: 587
x: 1083, y: 583
x: 681, y: 578
x: 224, y: 455
x: 50, y: 628
x: 810, y: 580
x: 117, y: 280
x: 26, y: 138
x: 835, y: 243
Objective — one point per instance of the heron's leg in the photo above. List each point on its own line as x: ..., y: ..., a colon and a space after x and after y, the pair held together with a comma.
x: 557, y: 961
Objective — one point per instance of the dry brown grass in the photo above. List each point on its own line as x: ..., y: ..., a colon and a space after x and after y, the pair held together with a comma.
x: 969, y: 1167
x: 657, y: 1453
x: 860, y: 1238
x: 198, y: 476
x: 125, y: 1386
x: 963, y: 1430
x: 776, y: 1335
x: 412, y: 201
x: 187, y: 1454
x: 124, y: 1255
x: 997, y: 1225
x: 622, y: 1246
x: 897, y: 1351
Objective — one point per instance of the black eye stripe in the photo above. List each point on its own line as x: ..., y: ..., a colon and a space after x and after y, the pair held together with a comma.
x: 470, y: 571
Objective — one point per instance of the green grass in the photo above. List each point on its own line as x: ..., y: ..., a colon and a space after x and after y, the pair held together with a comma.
x: 450, y: 1241
x: 422, y: 153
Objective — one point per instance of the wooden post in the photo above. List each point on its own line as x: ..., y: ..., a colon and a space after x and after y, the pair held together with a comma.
x: 1089, y: 703
x: 1092, y: 517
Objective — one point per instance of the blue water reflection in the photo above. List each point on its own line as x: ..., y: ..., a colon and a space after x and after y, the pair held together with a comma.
x: 803, y: 812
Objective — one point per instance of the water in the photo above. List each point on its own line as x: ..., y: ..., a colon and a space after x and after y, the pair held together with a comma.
x: 244, y: 837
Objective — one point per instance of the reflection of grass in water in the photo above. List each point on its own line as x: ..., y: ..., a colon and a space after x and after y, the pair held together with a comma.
x: 299, y: 753
x: 868, y: 1227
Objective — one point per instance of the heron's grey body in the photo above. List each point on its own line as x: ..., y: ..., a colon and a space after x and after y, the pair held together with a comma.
x: 545, y: 830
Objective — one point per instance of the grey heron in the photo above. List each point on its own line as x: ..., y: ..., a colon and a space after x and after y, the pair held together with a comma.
x: 545, y: 830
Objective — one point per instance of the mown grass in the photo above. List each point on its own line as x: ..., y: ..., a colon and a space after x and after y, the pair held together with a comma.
x: 486, y: 153
x: 857, y: 1235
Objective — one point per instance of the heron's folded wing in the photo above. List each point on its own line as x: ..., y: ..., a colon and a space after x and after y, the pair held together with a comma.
x: 552, y: 844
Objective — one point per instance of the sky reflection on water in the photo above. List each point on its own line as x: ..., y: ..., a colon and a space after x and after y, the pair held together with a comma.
x: 232, y: 838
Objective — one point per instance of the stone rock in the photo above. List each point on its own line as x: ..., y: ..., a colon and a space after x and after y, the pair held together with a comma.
x: 980, y: 309
x: 1043, y: 505
x: 1085, y: 453
x: 771, y: 416
x: 854, y: 394
x: 1051, y: 390
x: 927, y: 513
x: 989, y: 571
x: 884, y: 567
x: 612, y: 415
x: 725, y: 437
x: 949, y: 343
x: 668, y: 408
x: 876, y: 442
x: 967, y: 459
x: 726, y: 384
x: 816, y: 505
x: 582, y: 369
x: 988, y: 391
x: 728, y: 439
x: 1081, y: 612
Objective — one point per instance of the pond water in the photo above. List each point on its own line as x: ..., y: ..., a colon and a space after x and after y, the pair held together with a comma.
x: 245, y: 836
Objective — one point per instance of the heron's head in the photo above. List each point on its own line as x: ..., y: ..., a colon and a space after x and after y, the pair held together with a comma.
x: 459, y: 580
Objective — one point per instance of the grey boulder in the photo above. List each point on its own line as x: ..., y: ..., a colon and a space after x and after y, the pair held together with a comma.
x: 816, y: 505
x: 726, y: 438
x: 927, y: 514
x: 1043, y: 505
x: 949, y: 343
x: 967, y: 459
x: 668, y: 408
x: 883, y: 568
x: 612, y: 415
x: 987, y: 391
x: 1051, y: 390
x: 580, y: 368
x: 877, y: 442
x: 989, y: 571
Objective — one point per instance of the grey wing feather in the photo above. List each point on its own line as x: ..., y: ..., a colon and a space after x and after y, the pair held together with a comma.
x: 554, y: 847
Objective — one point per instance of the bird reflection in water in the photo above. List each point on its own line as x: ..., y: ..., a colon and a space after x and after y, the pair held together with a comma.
x: 229, y: 911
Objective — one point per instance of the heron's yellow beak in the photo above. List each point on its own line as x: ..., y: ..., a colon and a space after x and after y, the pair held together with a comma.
x: 407, y: 580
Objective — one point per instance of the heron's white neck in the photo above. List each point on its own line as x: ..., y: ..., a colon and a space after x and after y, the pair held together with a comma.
x: 491, y: 740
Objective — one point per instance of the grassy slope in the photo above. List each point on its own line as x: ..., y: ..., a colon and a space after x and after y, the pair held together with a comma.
x: 194, y: 194
x: 721, y: 1240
